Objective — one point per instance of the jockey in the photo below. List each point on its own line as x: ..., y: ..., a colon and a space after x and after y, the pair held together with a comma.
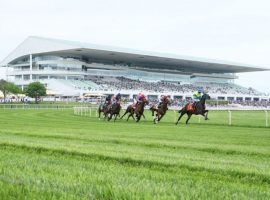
x: 162, y: 99
x: 196, y: 98
x: 108, y: 100
x: 140, y: 99
x: 198, y: 95
x: 117, y: 98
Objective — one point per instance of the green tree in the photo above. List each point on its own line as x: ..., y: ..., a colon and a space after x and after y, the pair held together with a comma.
x: 35, y: 90
x: 8, y: 88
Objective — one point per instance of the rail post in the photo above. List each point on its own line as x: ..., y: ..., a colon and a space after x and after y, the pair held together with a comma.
x: 90, y: 112
x: 266, y: 118
x: 199, y: 118
x: 230, y: 117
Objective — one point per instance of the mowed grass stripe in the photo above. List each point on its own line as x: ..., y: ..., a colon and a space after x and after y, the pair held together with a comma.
x: 150, y: 144
x: 231, y: 175
x: 153, y: 153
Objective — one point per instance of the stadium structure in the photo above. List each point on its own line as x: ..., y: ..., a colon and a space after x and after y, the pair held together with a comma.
x: 71, y: 69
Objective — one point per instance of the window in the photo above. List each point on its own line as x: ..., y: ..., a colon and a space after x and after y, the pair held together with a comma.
x: 26, y: 77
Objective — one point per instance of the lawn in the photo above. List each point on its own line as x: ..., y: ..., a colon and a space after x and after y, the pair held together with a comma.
x: 53, y: 154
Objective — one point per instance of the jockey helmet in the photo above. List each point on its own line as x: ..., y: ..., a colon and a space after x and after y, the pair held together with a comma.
x: 200, y: 90
x: 118, y: 96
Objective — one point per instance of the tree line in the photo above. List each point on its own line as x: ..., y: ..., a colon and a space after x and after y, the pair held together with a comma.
x: 33, y: 90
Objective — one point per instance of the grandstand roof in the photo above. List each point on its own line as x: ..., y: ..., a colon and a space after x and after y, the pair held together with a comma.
x: 145, y: 59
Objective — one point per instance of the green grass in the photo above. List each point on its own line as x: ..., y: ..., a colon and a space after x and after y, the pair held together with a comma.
x: 52, y: 154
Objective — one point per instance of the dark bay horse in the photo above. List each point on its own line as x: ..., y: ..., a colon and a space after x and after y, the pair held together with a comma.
x: 114, y: 110
x: 103, y: 108
x: 195, y: 109
x: 138, y: 110
x: 160, y: 110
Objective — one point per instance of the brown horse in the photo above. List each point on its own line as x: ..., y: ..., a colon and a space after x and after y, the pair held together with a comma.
x: 138, y: 110
x: 114, y: 110
x: 160, y: 110
x: 195, y: 109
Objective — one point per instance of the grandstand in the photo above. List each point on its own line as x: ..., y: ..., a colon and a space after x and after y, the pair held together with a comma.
x: 72, y: 69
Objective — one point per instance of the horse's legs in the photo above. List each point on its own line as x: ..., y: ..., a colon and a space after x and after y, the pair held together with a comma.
x: 116, y: 115
x: 179, y: 118
x: 206, y: 115
x: 110, y: 116
x: 138, y: 118
x: 189, y: 116
x: 130, y: 116
x: 143, y: 116
x: 161, y: 116
x: 156, y: 118
x: 124, y: 115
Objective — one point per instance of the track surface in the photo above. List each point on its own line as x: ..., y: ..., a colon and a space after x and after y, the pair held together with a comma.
x: 52, y: 154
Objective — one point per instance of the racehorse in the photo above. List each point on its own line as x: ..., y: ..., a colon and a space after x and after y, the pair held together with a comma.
x: 138, y: 110
x: 197, y: 108
x: 103, y: 107
x: 114, y: 110
x: 161, y: 110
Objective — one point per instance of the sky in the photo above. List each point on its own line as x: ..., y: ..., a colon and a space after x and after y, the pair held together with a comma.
x: 232, y: 30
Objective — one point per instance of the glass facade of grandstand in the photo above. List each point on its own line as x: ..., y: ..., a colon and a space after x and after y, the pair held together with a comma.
x: 72, y: 68
x: 84, y: 75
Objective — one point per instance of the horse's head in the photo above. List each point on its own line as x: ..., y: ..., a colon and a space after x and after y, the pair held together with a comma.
x: 146, y: 101
x: 206, y: 96
x: 168, y: 101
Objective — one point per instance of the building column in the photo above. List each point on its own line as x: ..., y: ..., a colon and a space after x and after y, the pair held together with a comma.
x: 31, y: 67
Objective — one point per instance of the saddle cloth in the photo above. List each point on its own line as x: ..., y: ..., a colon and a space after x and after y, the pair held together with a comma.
x: 191, y: 107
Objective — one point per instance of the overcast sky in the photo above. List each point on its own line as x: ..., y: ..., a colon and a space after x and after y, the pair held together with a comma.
x: 233, y: 30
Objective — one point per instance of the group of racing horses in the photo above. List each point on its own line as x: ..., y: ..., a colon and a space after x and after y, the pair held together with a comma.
x: 158, y: 111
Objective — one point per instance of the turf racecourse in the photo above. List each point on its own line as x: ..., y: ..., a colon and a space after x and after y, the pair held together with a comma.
x: 52, y: 154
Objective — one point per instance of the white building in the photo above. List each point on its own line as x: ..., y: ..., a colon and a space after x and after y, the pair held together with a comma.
x: 69, y: 68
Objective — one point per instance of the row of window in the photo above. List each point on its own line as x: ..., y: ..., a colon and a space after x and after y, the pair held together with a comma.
x: 44, y: 77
